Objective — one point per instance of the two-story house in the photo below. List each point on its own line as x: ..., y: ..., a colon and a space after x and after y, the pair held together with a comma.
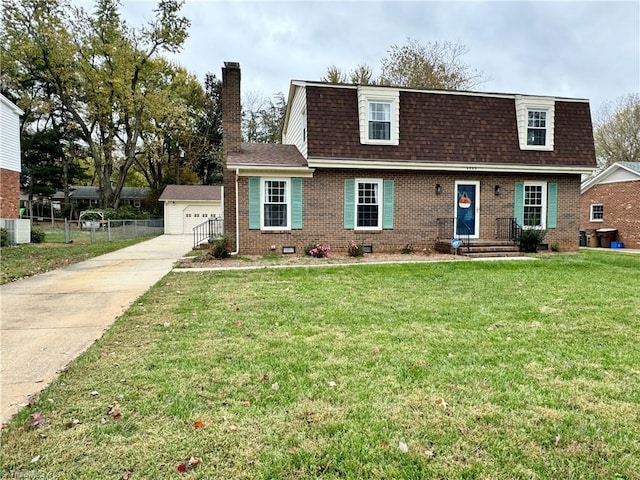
x: 389, y: 167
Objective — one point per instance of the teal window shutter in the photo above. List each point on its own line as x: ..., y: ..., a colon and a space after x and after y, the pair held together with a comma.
x: 349, y: 203
x: 518, y: 203
x: 296, y: 203
x: 552, y: 205
x: 387, y: 204
x: 254, y: 203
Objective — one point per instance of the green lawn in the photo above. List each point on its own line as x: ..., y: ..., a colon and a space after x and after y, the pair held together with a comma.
x: 21, y: 261
x: 488, y: 370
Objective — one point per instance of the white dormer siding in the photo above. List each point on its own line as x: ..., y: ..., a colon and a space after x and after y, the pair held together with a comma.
x: 535, y: 117
x: 379, y: 115
x: 9, y: 135
x: 296, y: 133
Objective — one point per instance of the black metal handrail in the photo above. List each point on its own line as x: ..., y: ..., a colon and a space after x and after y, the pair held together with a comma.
x: 208, y: 230
x: 507, y: 228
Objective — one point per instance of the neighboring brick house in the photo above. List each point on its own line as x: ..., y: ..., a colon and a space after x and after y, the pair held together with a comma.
x: 611, y: 199
x: 388, y: 167
x: 10, y: 165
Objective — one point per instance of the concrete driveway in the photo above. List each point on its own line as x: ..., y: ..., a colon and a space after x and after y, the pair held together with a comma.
x: 47, y: 320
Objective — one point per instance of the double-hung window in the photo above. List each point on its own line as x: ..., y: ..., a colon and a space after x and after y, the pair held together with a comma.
x: 536, y: 127
x: 534, y: 205
x: 368, y: 205
x: 597, y: 212
x: 275, y: 213
x: 378, y: 115
x: 379, y: 120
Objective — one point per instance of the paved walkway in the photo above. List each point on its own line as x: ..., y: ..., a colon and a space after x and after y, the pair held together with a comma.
x: 47, y: 320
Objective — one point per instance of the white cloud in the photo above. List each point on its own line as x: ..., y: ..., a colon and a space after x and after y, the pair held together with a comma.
x: 584, y: 49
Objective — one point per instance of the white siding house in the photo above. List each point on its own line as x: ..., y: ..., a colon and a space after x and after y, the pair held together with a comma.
x: 19, y: 231
x: 9, y: 135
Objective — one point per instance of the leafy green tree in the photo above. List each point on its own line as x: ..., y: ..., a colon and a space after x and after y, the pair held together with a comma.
x: 263, y: 118
x: 170, y: 128
x: 617, y: 131
x: 100, y: 72
x: 362, y: 75
x: 334, y: 75
x: 434, y: 65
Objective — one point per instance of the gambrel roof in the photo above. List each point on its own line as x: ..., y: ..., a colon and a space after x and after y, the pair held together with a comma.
x: 441, y: 130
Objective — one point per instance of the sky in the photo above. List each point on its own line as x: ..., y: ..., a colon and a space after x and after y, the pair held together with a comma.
x: 581, y: 49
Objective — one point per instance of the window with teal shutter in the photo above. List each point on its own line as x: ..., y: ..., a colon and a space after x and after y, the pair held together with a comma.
x: 254, y: 202
x: 296, y: 203
x: 349, y: 203
x: 388, y: 204
x: 518, y: 203
x: 552, y: 205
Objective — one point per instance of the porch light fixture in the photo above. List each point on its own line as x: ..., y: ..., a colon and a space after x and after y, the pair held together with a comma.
x: 497, y: 190
x: 438, y: 189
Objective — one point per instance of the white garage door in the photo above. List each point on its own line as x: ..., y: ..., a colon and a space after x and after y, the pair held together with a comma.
x: 195, y: 215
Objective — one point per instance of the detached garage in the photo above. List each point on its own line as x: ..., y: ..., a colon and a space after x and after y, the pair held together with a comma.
x: 187, y: 206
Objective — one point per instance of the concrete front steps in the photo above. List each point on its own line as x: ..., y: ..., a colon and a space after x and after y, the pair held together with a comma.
x: 482, y: 248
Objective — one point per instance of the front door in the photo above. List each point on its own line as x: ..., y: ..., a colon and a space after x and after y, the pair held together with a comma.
x: 467, y: 209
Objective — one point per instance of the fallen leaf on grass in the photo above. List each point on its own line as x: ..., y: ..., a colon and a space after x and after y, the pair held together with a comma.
x: 198, y: 424
x: 195, y: 461
x: 275, y: 386
x: 403, y: 447
x: 233, y: 428
x: 114, y: 411
x: 94, y: 393
x: 125, y: 475
x: 246, y: 403
x: 428, y: 453
x: 376, y: 350
x: 239, y: 323
x: 35, y: 420
x: 292, y: 450
x: 265, y: 377
x: 331, y: 384
x: 443, y: 403
x: 181, y: 468
x: 557, y: 442
x: 384, y: 444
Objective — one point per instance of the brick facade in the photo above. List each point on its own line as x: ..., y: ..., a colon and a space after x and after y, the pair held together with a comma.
x: 9, y: 193
x: 417, y: 208
x: 231, y: 141
x: 621, y: 201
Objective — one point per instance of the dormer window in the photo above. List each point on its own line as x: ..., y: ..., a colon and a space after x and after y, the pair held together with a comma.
x: 379, y: 115
x: 536, y: 127
x: 379, y: 121
x: 535, y: 117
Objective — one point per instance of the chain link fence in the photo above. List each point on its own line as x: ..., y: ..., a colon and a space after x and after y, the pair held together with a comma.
x: 89, y: 231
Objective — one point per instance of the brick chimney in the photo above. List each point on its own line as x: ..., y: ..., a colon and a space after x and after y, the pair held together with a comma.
x: 231, y: 108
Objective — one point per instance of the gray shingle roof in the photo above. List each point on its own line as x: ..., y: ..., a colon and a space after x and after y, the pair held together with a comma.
x: 192, y: 192
x: 267, y: 154
x: 631, y: 165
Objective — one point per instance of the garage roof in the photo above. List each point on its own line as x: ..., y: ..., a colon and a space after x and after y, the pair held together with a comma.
x: 200, y: 193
